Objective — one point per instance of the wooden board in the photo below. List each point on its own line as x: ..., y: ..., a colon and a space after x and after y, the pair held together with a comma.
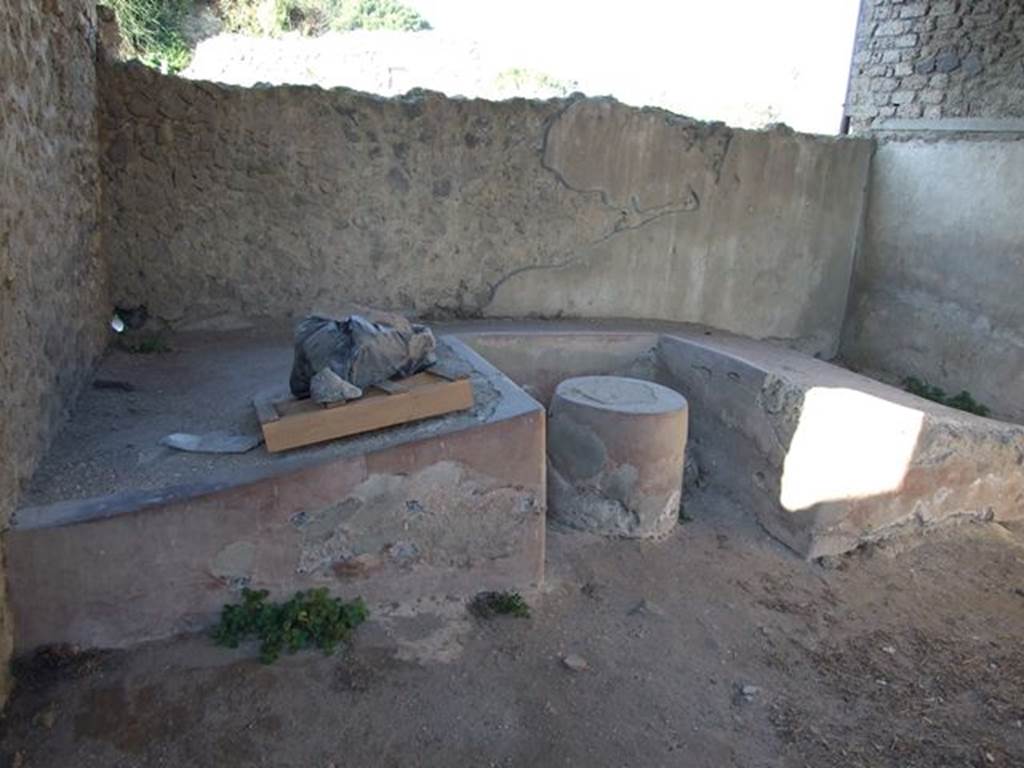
x: 294, y: 423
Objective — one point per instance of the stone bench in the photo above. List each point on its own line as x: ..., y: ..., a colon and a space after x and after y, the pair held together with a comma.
x: 443, y: 507
x: 826, y: 459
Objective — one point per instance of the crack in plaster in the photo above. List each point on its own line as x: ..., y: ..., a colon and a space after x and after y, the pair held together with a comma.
x: 691, y: 204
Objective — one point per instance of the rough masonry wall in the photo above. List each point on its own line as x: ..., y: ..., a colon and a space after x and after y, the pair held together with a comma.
x: 224, y: 201
x: 937, y: 59
x: 937, y: 289
x: 52, y: 284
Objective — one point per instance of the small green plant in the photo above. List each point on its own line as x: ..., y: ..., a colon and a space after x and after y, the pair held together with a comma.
x: 310, y: 619
x: 516, y: 79
x: 489, y: 604
x: 151, y: 31
x: 964, y: 401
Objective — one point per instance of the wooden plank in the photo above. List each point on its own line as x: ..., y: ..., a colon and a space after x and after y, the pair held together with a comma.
x: 303, y: 422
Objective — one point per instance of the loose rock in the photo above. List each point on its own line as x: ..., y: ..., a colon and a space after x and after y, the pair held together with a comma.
x: 327, y: 387
x: 744, y: 694
x: 646, y: 608
x: 575, y: 662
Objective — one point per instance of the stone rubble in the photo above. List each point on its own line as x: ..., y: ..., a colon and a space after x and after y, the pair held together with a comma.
x: 327, y: 387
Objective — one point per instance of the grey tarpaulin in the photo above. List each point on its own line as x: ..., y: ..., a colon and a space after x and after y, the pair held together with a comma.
x: 359, y: 350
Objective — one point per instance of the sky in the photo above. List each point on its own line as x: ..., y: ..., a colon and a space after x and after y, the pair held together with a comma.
x: 741, y: 61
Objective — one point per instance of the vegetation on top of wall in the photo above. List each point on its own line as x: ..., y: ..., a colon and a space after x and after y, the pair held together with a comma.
x: 151, y: 31
x: 315, y: 17
x: 519, y: 79
x: 964, y: 401
x: 157, y: 31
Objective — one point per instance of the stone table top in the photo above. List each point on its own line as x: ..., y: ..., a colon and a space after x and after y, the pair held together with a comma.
x: 620, y: 394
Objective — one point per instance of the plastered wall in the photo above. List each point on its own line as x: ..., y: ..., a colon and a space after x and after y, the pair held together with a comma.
x: 937, y: 293
x: 224, y: 201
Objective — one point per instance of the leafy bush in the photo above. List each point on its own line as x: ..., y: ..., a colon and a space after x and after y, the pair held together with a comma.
x: 376, y: 14
x: 314, y: 17
x: 964, y: 401
x: 310, y: 619
x: 151, y: 32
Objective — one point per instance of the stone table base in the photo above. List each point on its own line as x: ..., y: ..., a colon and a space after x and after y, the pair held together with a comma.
x: 616, y: 448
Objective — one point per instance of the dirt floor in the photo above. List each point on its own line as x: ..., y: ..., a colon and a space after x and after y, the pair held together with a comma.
x: 716, y: 647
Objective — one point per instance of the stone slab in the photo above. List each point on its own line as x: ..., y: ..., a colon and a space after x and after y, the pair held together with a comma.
x: 108, y: 456
x: 829, y: 460
x: 619, y: 395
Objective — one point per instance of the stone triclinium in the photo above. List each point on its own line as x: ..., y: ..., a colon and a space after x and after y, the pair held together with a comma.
x: 441, y: 508
x: 615, y: 456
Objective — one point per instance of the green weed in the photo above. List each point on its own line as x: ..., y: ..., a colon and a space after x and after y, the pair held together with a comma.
x: 310, y: 619
x: 489, y: 604
x: 964, y: 401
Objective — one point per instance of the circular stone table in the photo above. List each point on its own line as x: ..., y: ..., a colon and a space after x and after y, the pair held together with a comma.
x: 615, y: 456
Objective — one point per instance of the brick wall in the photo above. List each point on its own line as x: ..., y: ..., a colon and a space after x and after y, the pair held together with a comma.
x: 932, y: 59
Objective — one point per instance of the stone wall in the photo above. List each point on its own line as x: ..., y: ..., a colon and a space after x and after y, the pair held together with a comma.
x: 937, y: 288
x: 224, y: 202
x: 53, y: 303
x: 937, y: 59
